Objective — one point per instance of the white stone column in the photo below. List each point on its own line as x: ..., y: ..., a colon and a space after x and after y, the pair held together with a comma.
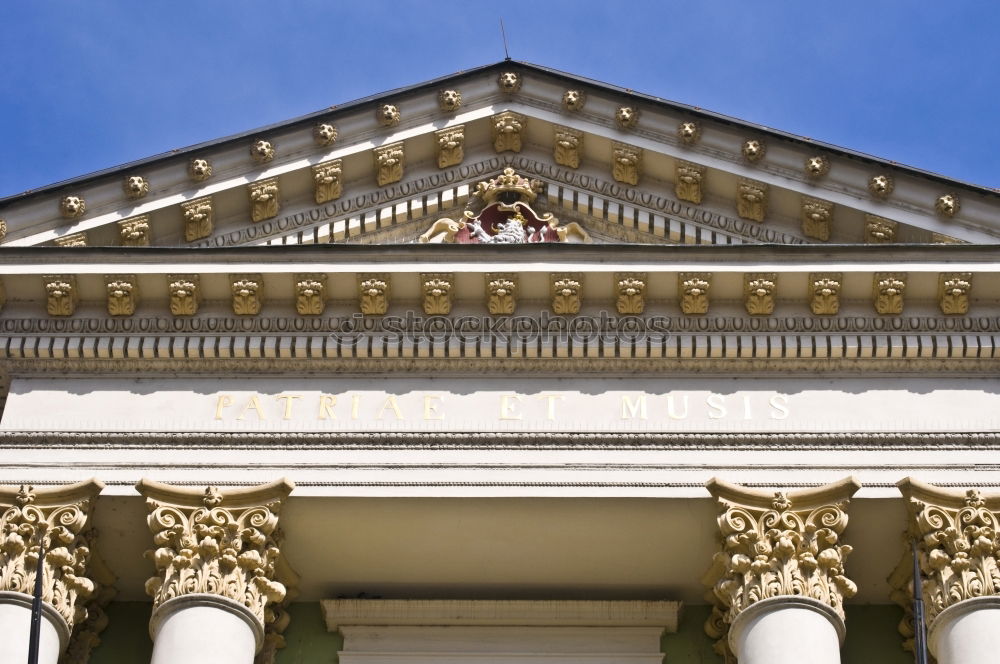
x: 216, y: 593
x: 778, y: 583
x: 958, y: 545
x: 65, y: 512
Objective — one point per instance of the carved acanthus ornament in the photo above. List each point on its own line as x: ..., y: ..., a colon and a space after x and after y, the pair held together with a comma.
x: 262, y: 151
x: 941, y: 238
x: 627, y: 117
x: 198, y: 218
x: 817, y: 166
x: 185, y: 293
x: 388, y: 115
x: 61, y: 295
x: 631, y: 291
x: 199, y: 170
x: 689, y: 132
x: 450, y: 146
x: 388, y: 163
x: 688, y: 186
x: 123, y: 294
x: 72, y: 207
x: 263, y: 199
x: 507, y: 129
x: 948, y: 205
x: 59, y: 517
x: 134, y: 232
x: 216, y: 543
x: 449, y: 101
x: 438, y: 290
x: 693, y: 289
x: 953, y: 292
x: 327, y: 182
x: 785, y: 544
x: 824, y: 292
x: 135, y: 187
x: 758, y: 293
x: 567, y: 290
x: 626, y: 163
x: 881, y: 186
x: 73, y: 240
x: 501, y: 294
x: 574, y: 100
x: 86, y: 632
x: 310, y: 294
x: 567, y: 146
x: 754, y: 150
x: 373, y: 294
x: 888, y: 292
x: 325, y: 134
x: 879, y: 230
x: 817, y: 218
x: 248, y: 294
x: 751, y: 199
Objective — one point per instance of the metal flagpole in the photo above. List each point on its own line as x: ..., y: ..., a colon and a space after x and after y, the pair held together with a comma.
x: 36, y: 602
x: 919, y: 629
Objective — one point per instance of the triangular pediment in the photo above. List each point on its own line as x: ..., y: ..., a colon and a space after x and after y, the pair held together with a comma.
x: 624, y: 167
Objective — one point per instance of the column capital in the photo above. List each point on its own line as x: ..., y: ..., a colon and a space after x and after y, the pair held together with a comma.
x: 60, y: 517
x: 219, y: 543
x: 777, y: 544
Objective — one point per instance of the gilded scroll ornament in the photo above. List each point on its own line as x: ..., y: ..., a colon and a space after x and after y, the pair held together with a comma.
x: 438, y: 292
x: 574, y: 100
x: 73, y: 240
x: 224, y: 544
x: 135, y: 187
x: 310, y: 294
x: 689, y: 132
x: 817, y: 166
x: 881, y: 186
x: 198, y: 218
x: 693, y: 289
x: 122, y: 293
x: 134, y: 232
x: 879, y: 230
x: 185, y: 294
x: 627, y: 117
x: 566, y: 294
x: 626, y: 163
x: 262, y: 151
x: 450, y: 146
x: 751, y: 199
x: 67, y: 537
x: 688, y: 181
x: 567, y: 145
x: 264, y: 199
x: 888, y: 292
x: 449, y: 101
x: 388, y: 163
x: 61, y: 295
x: 788, y: 544
x: 507, y: 129
x: 72, y: 207
x: 509, y: 82
x: 817, y: 218
x: 327, y: 184
x: 758, y: 293
x: 631, y: 290
x: 248, y: 294
x: 947, y: 205
x: 754, y: 150
x: 373, y: 295
x: 388, y: 115
x: 199, y: 170
x: 824, y: 293
x: 501, y: 294
x: 953, y: 292
x: 325, y: 134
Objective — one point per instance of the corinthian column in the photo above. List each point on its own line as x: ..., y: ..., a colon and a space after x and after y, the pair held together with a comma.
x: 215, y: 594
x: 778, y: 584
x: 59, y: 519
x: 958, y: 545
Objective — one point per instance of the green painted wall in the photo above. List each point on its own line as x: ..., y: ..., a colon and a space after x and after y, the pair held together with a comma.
x: 871, y: 637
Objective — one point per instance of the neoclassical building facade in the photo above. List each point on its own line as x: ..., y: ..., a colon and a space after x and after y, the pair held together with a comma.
x: 508, y: 366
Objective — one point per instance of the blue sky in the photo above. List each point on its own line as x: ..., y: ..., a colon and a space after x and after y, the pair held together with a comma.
x: 90, y: 84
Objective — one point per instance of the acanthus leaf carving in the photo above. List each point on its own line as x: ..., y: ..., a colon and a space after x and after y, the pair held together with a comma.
x: 373, y: 294
x: 388, y: 163
x: 450, y: 146
x: 567, y: 291
x: 751, y: 199
x: 758, y: 293
x: 567, y: 146
x: 631, y: 290
x: 134, y: 232
x: 693, y: 290
x: 61, y: 294
x: 817, y: 218
x: 507, y: 131
x: 688, y: 182
x: 248, y: 294
x: 198, y: 218
x: 953, y: 292
x: 888, y: 292
x: 264, y: 200
x: 185, y: 293
x: 123, y: 294
x: 310, y: 294
x: 438, y: 290
x: 501, y: 294
x: 327, y: 181
x: 626, y: 163
x: 824, y: 293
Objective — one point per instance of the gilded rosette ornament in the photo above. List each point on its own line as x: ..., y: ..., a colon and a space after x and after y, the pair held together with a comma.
x: 263, y: 199
x: 693, y: 290
x: 224, y: 544
x: 879, y: 230
x: 450, y: 146
x: 134, y: 232
x: 59, y: 517
x: 953, y: 292
x: 438, y: 292
x: 631, y: 290
x: 774, y: 545
x: 327, y: 183
x: 817, y: 217
x: 310, y: 294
